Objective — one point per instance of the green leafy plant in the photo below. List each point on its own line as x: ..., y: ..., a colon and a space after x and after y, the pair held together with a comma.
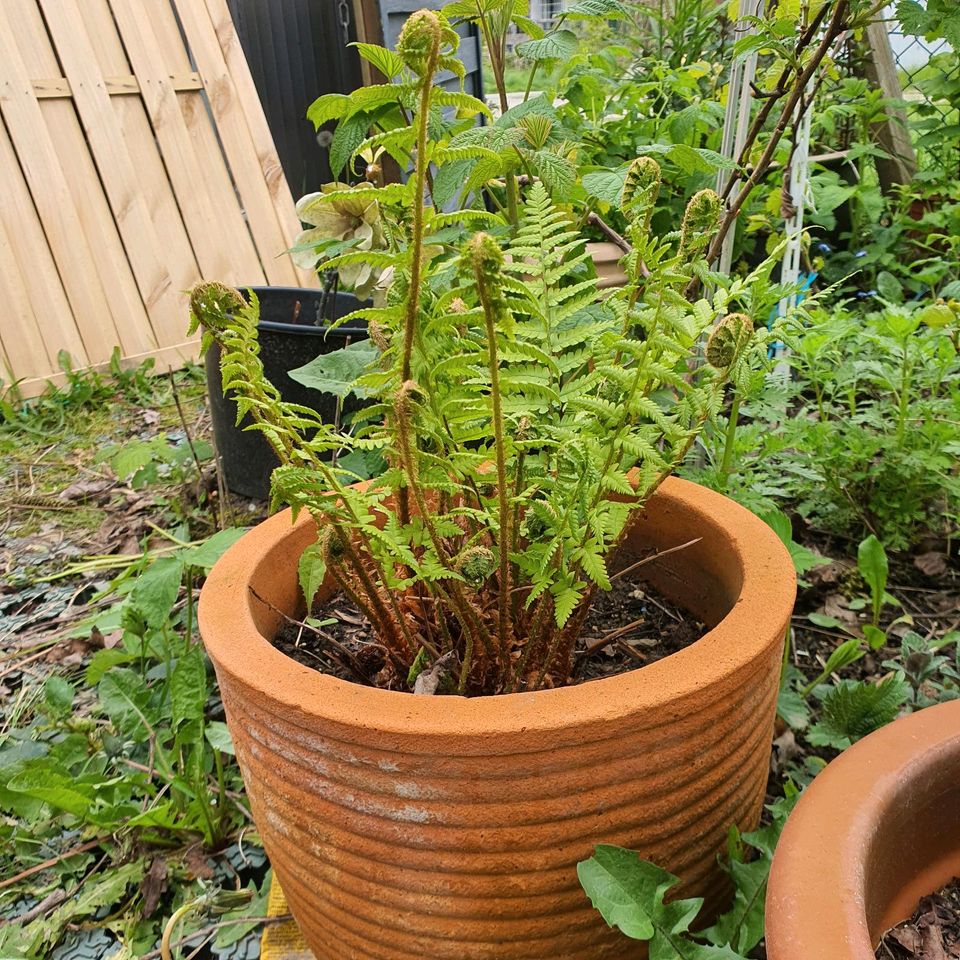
x: 851, y: 709
x: 630, y: 894
x: 525, y: 417
x: 872, y: 441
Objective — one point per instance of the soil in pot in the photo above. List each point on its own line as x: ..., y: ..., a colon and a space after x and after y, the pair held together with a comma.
x: 932, y: 933
x: 628, y: 627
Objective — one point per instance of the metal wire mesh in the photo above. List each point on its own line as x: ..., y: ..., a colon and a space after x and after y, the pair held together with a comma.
x: 930, y: 77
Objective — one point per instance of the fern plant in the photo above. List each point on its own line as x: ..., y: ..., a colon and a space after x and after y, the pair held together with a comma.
x: 524, y: 417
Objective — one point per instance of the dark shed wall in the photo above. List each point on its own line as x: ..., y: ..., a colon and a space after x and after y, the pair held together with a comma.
x: 297, y: 52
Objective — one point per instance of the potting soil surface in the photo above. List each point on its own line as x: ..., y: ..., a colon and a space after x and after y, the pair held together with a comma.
x: 630, y: 626
x: 932, y: 933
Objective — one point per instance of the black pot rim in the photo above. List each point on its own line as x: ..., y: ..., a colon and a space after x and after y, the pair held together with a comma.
x: 302, y: 329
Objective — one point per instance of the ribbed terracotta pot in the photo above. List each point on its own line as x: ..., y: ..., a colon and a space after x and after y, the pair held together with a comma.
x: 878, y: 829
x: 410, y: 827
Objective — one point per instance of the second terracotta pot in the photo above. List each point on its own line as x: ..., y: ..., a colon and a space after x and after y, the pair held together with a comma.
x: 440, y: 828
x: 606, y: 260
x: 878, y: 829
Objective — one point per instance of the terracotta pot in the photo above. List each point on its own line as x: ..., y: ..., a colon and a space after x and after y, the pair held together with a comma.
x: 405, y: 827
x: 875, y: 831
x: 606, y: 260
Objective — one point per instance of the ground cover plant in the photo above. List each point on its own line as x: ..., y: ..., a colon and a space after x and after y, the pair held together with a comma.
x: 120, y: 802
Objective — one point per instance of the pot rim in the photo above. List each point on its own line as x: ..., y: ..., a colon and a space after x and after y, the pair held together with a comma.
x: 760, y: 612
x: 819, y: 891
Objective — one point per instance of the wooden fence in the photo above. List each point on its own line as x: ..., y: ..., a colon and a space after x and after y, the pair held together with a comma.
x: 134, y: 160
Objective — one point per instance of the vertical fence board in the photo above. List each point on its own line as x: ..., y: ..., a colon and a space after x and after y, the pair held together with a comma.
x: 117, y: 172
x: 237, y: 142
x: 21, y: 344
x: 134, y: 160
x: 53, y: 197
x: 257, y: 124
x: 34, y: 260
x: 207, y: 203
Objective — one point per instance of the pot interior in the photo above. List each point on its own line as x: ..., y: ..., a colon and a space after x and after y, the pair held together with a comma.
x: 704, y: 578
x: 915, y: 846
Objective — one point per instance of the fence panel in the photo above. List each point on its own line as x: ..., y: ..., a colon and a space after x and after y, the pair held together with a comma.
x: 133, y: 161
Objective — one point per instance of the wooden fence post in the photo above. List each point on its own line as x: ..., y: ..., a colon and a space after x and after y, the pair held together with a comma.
x: 892, y: 133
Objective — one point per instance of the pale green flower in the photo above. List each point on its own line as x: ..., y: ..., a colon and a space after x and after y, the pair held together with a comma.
x: 335, y: 214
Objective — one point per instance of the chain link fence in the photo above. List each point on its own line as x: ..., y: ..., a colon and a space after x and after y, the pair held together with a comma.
x: 930, y: 78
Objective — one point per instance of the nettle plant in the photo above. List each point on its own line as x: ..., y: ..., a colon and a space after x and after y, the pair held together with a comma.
x: 525, y: 418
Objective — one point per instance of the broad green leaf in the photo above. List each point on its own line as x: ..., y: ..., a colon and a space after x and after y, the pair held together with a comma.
x: 337, y: 372
x: 218, y: 736
x: 188, y: 687
x: 848, y: 652
x: 312, y: 571
x: 605, y: 185
x: 206, y: 554
x: 124, y: 698
x: 350, y: 133
x: 331, y: 106
x: 105, y: 660
x: 386, y: 61
x: 625, y: 889
x: 851, y: 710
x: 156, y: 590
x: 58, y: 789
x: 874, y: 568
x: 556, y: 45
x: 803, y: 558
x: 875, y: 637
x: 58, y: 696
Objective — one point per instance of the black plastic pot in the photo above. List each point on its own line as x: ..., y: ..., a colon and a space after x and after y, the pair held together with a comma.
x: 289, y: 337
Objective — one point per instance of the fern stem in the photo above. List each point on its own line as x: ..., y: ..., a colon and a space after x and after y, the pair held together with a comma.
x: 416, y: 245
x: 504, y: 534
x: 729, y: 439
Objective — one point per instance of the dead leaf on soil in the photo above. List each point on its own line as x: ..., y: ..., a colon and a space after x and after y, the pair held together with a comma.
x: 826, y: 574
x: 196, y: 862
x: 933, y: 564
x: 93, y: 489
x: 153, y: 886
x: 429, y: 680
x: 835, y: 605
x: 785, y: 749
